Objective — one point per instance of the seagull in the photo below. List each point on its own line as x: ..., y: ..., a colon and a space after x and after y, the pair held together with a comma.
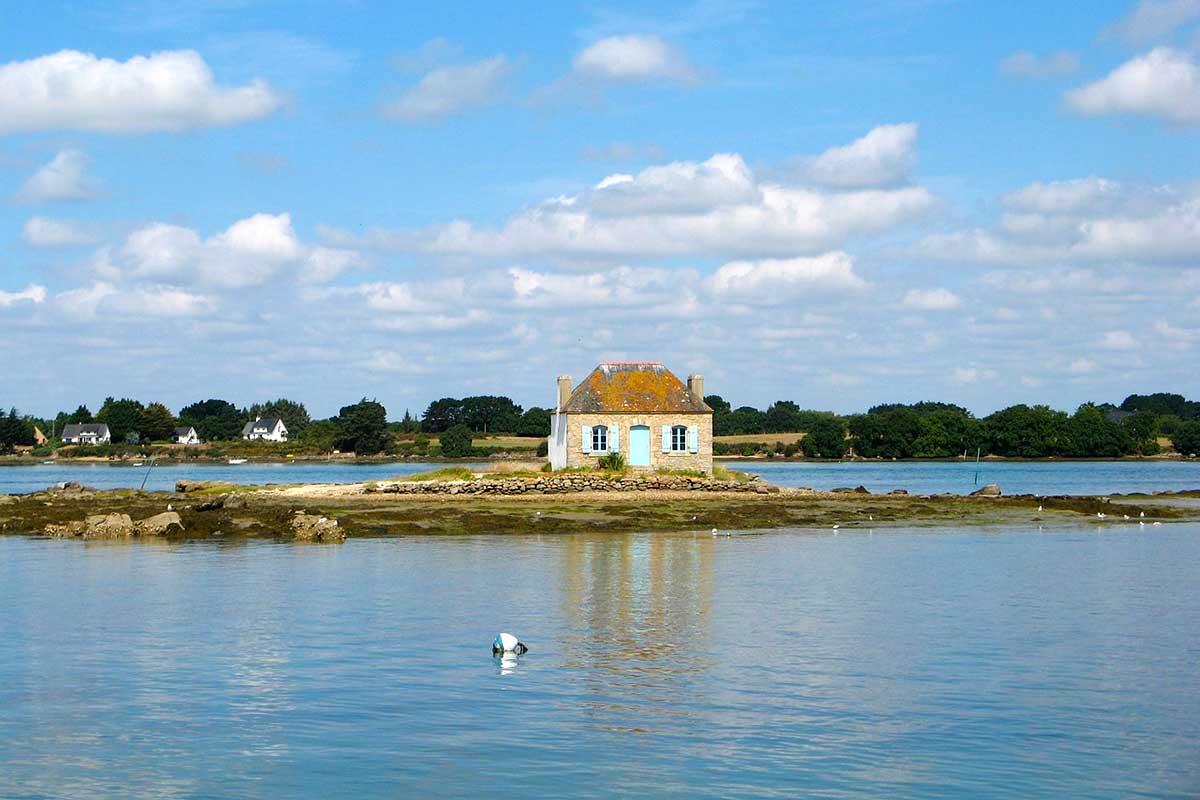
x: 1100, y: 515
x: 1158, y: 523
x: 507, y: 643
x: 1039, y: 509
x: 1141, y: 523
x: 1126, y: 516
x: 870, y: 517
x: 714, y: 531
x: 835, y: 527
x: 1142, y: 514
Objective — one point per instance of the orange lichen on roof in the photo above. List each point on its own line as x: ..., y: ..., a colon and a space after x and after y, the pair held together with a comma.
x: 640, y: 386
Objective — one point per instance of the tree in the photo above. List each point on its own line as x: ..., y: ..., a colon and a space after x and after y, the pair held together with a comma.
x: 746, y: 419
x: 1094, y: 435
x: 442, y: 415
x: 825, y: 438
x: 456, y: 442
x: 1162, y: 403
x: 1186, y: 438
x: 889, y: 433
x: 721, y: 410
x: 783, y: 416
x: 122, y: 417
x: 294, y: 414
x: 1141, y: 427
x: 156, y: 423
x: 15, y: 431
x: 80, y: 415
x: 214, y: 420
x: 363, y: 428
x: 322, y: 434
x: 1023, y: 431
x: 491, y: 414
x: 408, y: 424
x: 534, y: 422
x: 947, y: 432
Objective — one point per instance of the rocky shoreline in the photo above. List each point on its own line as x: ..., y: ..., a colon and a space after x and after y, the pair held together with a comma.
x: 331, y: 513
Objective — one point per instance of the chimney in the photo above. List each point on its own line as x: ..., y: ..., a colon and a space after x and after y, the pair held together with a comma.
x: 696, y: 387
x: 564, y: 391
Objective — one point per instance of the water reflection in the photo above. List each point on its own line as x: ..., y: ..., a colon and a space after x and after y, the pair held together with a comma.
x: 637, y: 609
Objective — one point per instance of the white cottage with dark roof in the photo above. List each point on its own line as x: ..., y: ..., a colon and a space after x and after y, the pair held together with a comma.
x: 86, y: 433
x: 269, y: 429
x: 639, y: 409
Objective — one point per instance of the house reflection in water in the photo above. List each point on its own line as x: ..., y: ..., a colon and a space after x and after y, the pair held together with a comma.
x: 638, y: 607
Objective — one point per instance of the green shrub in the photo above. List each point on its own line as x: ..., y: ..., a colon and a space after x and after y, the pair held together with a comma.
x: 614, y: 462
x: 456, y: 442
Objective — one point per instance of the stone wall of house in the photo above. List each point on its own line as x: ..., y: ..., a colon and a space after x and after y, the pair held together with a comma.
x: 700, y: 460
x: 570, y: 482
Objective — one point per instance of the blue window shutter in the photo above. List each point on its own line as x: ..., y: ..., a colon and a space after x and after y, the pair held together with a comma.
x: 586, y: 435
x: 666, y: 438
x: 694, y: 438
x: 614, y: 439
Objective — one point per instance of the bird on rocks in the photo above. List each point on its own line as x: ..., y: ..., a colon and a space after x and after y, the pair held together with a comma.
x: 507, y: 643
x: 1100, y: 515
x: 1039, y: 509
x: 835, y: 527
x: 1142, y: 514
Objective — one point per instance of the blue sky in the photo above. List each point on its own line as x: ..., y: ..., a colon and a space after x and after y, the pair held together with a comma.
x: 834, y: 203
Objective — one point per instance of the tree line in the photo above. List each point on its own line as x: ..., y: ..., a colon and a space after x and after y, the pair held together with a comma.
x: 361, y: 427
x: 944, y: 430
x: 894, y: 430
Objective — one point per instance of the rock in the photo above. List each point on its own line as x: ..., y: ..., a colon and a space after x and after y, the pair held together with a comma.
x: 183, y: 487
x: 233, y: 501
x: 108, y: 526
x: 70, y: 487
x: 991, y: 490
x: 309, y: 528
x: 161, y: 524
x: 861, y: 490
x: 898, y: 491
x: 5, y: 499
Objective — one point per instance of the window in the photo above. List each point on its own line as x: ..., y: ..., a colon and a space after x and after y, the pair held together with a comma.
x: 679, y: 439
x: 599, y: 438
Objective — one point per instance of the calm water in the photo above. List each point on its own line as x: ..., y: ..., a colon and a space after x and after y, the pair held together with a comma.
x: 1080, y: 477
x: 1014, y: 477
x: 909, y: 664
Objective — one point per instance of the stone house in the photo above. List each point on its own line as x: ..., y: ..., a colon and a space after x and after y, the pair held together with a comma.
x: 639, y: 409
x: 269, y: 429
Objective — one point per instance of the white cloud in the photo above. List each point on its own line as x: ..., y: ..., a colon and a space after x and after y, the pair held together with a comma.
x: 968, y: 375
x: 48, y: 232
x: 884, y: 156
x: 931, y: 299
x: 1081, y: 366
x: 1154, y: 20
x: 450, y: 90
x: 1087, y: 221
x: 1024, y: 64
x: 633, y: 58
x: 713, y: 208
x: 773, y: 280
x: 1119, y: 340
x: 62, y: 179
x: 250, y: 252
x: 131, y: 303
x: 166, y: 91
x: 1062, y: 197
x: 32, y: 293
x: 1163, y: 83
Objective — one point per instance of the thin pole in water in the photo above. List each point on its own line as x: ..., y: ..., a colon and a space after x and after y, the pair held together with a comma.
x: 147, y: 476
x: 977, y: 449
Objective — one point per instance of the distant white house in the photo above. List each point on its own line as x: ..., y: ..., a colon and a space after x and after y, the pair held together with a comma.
x: 186, y: 436
x: 268, y: 429
x: 87, y: 433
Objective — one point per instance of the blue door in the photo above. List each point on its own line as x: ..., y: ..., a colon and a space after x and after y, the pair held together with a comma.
x: 639, y: 446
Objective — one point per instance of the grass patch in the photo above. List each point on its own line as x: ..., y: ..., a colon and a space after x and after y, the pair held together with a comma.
x: 730, y: 475
x: 443, y: 474
x: 683, y: 473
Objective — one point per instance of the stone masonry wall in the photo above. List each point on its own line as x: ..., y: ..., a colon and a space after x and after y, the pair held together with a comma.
x: 566, y: 482
x: 700, y: 461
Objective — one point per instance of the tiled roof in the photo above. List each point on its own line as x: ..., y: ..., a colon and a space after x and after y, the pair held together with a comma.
x: 638, y: 386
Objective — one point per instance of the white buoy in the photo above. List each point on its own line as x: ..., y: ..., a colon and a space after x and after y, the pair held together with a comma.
x: 507, y: 643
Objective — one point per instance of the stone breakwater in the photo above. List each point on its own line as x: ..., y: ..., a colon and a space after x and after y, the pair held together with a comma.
x: 571, y: 484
